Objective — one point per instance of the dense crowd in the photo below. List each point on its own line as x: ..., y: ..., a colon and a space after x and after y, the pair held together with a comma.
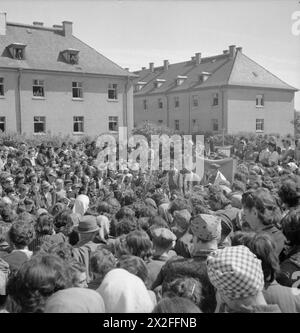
x: 76, y: 239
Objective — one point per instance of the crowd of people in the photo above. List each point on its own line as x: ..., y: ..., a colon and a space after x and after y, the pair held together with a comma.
x: 75, y: 239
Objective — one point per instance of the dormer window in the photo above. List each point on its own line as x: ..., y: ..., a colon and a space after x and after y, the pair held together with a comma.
x: 204, y: 76
x: 159, y: 82
x: 180, y: 80
x: 71, y: 56
x: 140, y: 85
x: 17, y: 51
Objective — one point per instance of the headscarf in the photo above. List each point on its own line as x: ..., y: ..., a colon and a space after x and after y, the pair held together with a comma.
x: 81, y: 204
x: 124, y: 292
x: 163, y: 211
x: 150, y: 202
x: 75, y: 300
x: 104, y: 224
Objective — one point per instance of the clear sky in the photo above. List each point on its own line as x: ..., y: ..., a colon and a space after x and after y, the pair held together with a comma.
x: 133, y: 32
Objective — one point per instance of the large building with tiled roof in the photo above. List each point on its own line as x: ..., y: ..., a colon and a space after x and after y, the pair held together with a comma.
x: 50, y: 81
x: 227, y: 92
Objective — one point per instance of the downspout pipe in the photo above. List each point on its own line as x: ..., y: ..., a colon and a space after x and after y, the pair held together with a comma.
x: 18, y: 103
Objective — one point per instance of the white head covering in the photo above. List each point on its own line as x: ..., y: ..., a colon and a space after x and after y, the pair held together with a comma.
x: 124, y: 292
x: 75, y: 300
x: 104, y: 224
x: 81, y: 204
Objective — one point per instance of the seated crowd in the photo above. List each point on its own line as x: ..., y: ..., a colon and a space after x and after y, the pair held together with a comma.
x: 74, y: 239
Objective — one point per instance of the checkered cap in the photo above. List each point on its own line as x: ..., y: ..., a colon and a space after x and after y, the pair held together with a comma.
x: 236, y: 272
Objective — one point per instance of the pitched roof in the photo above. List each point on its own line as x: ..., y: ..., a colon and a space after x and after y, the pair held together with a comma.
x: 245, y: 71
x: 43, y: 49
x: 224, y: 70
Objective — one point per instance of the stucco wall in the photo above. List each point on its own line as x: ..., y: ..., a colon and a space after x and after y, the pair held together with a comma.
x: 278, y: 110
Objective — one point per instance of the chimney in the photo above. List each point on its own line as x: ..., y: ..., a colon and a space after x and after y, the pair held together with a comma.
x: 166, y: 65
x: 67, y: 28
x: 151, y: 66
x: 2, y: 24
x: 232, y: 51
x: 193, y: 58
x: 39, y: 24
x: 198, y: 58
x: 225, y: 51
x: 143, y: 68
x: 239, y: 49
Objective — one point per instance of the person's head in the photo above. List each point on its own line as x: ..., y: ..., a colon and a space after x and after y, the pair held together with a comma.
x: 291, y: 227
x: 289, y: 192
x: 237, y: 275
x: 125, y: 212
x: 206, y: 230
x: 262, y: 245
x: 88, y: 228
x: 158, y: 221
x: 79, y: 274
x: 21, y: 234
x: 260, y: 208
x: 62, y: 250
x: 120, y: 247
x: 75, y: 300
x: 59, y: 184
x: 45, y: 186
x: 218, y: 201
x: 187, y: 287
x: 134, y: 265
x: 63, y: 222
x: 286, y: 143
x: 176, y: 305
x: 37, y: 279
x: 272, y: 146
x: 181, y: 222
x: 163, y: 240
x: 101, y: 262
x: 44, y: 225
x: 125, y: 226
x: 139, y: 244
x: 242, y: 238
x: 124, y: 292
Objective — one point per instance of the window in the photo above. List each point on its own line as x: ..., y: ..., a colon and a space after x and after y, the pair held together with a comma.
x: 160, y: 103
x: 1, y: 86
x: 77, y: 90
x: 112, y: 91
x: 39, y: 124
x: 70, y: 56
x: 78, y: 124
x: 215, y: 125
x: 145, y: 106
x: 177, y: 125
x: 113, y: 124
x: 195, y: 101
x: 2, y: 124
x: 176, y: 102
x: 216, y: 99
x: 259, y: 100
x: 38, y: 88
x: 19, y: 53
x: 260, y: 125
